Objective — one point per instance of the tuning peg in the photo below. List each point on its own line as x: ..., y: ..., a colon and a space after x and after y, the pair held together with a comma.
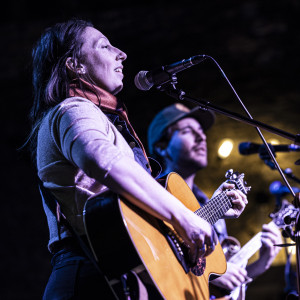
x: 288, y: 232
x: 228, y: 174
x: 289, y: 220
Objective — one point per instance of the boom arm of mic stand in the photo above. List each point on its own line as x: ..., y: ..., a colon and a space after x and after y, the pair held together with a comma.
x: 256, y: 127
x: 205, y: 105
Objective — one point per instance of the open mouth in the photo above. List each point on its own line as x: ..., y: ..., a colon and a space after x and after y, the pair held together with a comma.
x: 119, y: 70
x: 200, y: 149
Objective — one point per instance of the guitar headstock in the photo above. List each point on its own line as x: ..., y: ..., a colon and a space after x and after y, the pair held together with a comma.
x: 237, y: 179
x: 285, y: 214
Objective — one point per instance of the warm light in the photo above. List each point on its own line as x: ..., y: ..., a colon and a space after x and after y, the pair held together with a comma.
x: 225, y: 148
x: 273, y: 142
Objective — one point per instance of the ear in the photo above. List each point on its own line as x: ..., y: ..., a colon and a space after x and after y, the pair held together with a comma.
x: 74, y: 66
x: 162, y: 152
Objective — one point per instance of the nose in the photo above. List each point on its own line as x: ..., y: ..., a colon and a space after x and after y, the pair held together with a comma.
x: 121, y: 55
x: 200, y: 136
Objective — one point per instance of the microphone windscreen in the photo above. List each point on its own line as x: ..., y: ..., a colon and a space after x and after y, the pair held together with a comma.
x: 141, y: 81
x: 247, y: 148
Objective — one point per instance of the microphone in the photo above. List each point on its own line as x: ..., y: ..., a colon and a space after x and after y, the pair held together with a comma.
x: 248, y: 148
x: 144, y: 80
x: 277, y: 188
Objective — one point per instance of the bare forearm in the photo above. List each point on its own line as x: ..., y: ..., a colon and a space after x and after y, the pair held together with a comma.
x: 131, y: 181
x: 128, y: 179
x: 255, y: 269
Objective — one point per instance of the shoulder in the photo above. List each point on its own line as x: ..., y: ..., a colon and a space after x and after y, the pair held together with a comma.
x: 77, y: 102
x: 76, y: 112
x: 77, y: 107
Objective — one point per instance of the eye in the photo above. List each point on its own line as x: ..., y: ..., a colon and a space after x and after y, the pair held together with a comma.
x: 185, y: 130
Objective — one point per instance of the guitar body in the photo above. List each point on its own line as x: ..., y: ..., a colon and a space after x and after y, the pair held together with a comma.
x: 124, y: 237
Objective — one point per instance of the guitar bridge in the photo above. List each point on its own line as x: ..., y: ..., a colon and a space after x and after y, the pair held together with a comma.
x: 180, y: 250
x: 174, y: 243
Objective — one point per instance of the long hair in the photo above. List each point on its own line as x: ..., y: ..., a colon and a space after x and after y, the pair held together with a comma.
x: 50, y: 78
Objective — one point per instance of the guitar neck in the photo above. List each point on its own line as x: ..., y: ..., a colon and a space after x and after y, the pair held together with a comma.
x: 215, y: 209
x: 248, y: 249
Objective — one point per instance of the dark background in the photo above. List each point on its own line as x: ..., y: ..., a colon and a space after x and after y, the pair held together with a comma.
x: 256, y: 43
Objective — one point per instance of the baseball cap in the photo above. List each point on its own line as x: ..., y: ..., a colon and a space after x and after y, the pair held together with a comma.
x: 170, y: 115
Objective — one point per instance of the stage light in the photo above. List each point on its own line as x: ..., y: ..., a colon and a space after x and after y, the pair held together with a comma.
x: 273, y: 142
x: 225, y: 148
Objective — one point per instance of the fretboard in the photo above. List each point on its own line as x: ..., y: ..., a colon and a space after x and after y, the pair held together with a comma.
x: 249, y: 248
x: 215, y: 208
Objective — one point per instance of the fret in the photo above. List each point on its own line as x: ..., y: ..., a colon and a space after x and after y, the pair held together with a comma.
x: 247, y: 250
x: 215, y: 208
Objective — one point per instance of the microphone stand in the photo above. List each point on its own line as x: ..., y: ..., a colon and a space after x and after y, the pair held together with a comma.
x: 288, y: 171
x: 170, y: 89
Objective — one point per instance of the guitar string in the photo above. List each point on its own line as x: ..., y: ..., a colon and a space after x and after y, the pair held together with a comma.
x: 215, y: 208
x: 218, y: 206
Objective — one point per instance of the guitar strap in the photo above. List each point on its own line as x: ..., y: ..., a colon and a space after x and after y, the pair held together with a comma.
x: 52, y: 202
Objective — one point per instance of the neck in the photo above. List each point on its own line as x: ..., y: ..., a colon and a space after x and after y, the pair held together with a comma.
x: 189, y: 180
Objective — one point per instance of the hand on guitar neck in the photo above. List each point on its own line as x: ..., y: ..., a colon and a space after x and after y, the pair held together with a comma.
x: 270, y: 236
x: 238, y: 274
x: 234, y: 201
x: 237, y: 198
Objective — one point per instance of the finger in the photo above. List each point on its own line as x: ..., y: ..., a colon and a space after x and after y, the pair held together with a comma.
x: 270, y: 236
x: 267, y: 242
x: 237, y: 281
x: 205, y: 244
x: 237, y: 194
x: 242, y: 195
x: 193, y: 252
x: 272, y: 231
x: 274, y: 235
x: 209, y: 249
x: 232, y: 194
x: 202, y: 251
x: 227, y: 185
x: 240, y: 275
x: 238, y: 203
x: 198, y: 249
x: 266, y: 228
x: 268, y: 245
x: 210, y: 244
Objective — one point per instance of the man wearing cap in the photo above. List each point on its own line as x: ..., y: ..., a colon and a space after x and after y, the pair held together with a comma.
x: 176, y: 139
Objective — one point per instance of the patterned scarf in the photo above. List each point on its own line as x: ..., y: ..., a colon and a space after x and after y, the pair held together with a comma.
x: 106, y: 101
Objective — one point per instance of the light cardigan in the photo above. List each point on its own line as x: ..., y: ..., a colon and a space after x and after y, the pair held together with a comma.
x: 77, y: 147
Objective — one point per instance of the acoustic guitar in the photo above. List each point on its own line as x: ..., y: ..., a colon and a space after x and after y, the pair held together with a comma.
x: 123, y: 237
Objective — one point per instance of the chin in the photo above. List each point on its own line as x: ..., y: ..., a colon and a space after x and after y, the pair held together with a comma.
x: 117, y: 90
x: 202, y: 164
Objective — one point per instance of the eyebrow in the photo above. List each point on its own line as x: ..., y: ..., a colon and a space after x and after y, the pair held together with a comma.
x: 99, y: 40
x: 189, y: 126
